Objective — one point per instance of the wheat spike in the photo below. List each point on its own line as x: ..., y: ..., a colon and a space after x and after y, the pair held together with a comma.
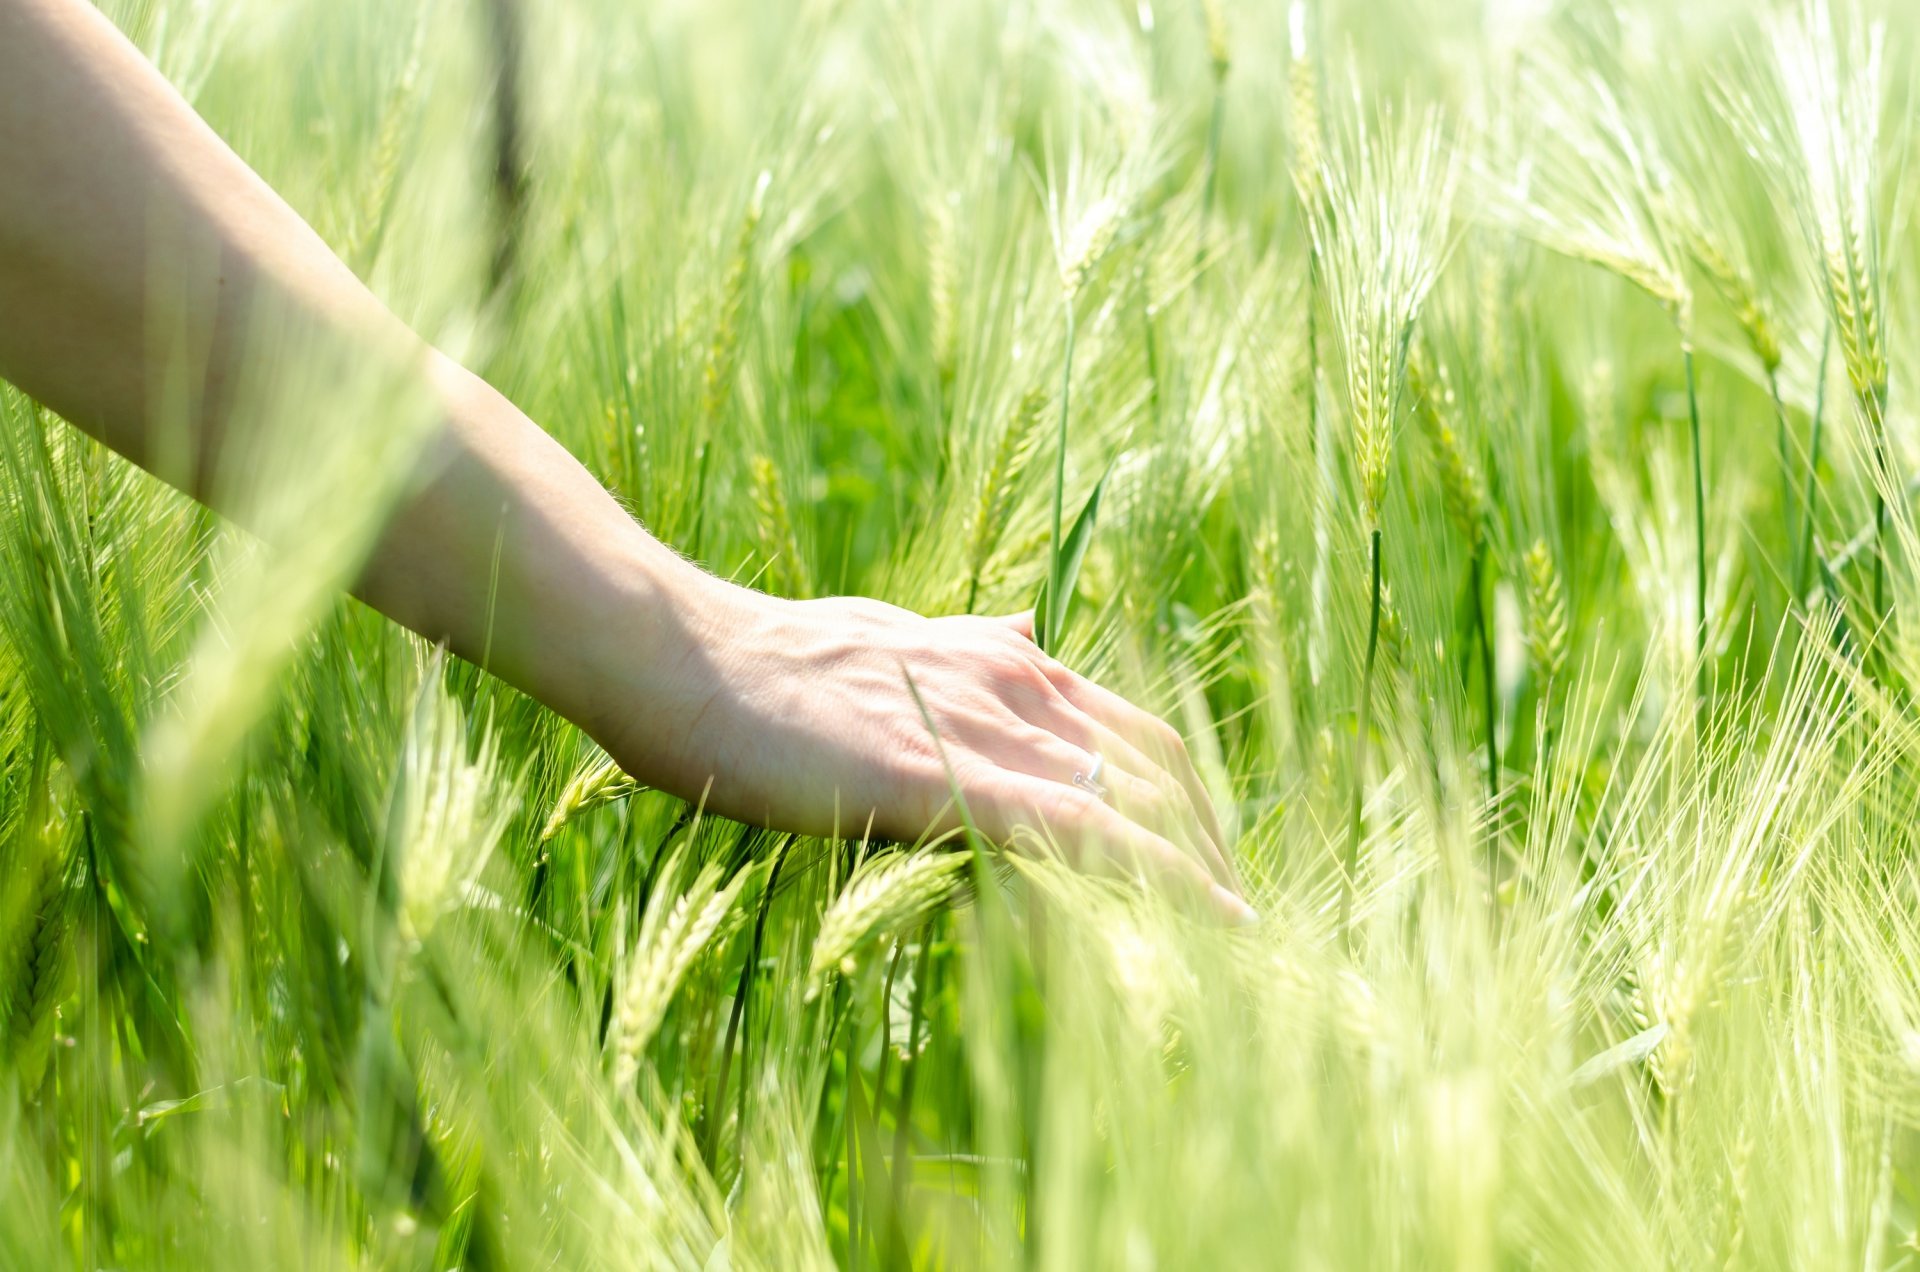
x: 1219, y: 54
x: 943, y: 281
x: 1379, y: 237
x: 448, y: 811
x: 669, y: 942
x: 779, y: 545
x: 1087, y: 243
x: 1817, y: 120
x: 1546, y: 615
x: 723, y: 350
x: 600, y: 782
x: 1393, y: 631
x: 896, y: 890
x: 1597, y: 191
x: 1462, y: 492
x: 1737, y: 1201
x: 39, y: 972
x: 1010, y: 457
x: 1735, y: 284
x: 1303, y: 104
x: 1493, y: 301
x: 370, y: 222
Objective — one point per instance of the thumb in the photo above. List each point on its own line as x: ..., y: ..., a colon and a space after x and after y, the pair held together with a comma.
x: 1021, y: 622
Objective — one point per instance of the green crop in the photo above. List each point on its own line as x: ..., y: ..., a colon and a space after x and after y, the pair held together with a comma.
x: 1497, y: 421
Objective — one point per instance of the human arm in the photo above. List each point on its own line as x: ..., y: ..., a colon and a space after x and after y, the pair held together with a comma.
x: 790, y: 714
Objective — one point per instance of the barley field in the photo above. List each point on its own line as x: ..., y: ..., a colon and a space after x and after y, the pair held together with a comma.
x: 1497, y: 414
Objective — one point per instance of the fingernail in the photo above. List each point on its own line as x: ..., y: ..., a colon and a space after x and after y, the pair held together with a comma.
x: 1238, y: 912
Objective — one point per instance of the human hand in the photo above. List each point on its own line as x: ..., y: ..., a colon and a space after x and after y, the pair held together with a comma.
x: 799, y: 714
x: 801, y: 718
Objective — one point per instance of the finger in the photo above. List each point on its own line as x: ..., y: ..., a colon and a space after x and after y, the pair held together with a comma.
x: 1162, y: 806
x: 1097, y: 838
x: 1159, y: 804
x: 1196, y: 814
x: 1150, y: 736
x: 1065, y: 718
x: 1140, y: 784
x: 1146, y: 796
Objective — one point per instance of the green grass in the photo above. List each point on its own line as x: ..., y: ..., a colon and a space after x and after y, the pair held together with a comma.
x: 1594, y: 949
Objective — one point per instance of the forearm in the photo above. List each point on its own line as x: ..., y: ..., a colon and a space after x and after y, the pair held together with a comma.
x: 515, y: 556
x: 122, y: 211
x: 136, y: 251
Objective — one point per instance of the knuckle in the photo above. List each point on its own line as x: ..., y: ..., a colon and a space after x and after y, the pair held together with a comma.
x: 1047, y: 747
x: 1010, y: 637
x: 1056, y: 673
x: 1067, y: 682
x: 969, y: 772
x: 915, y: 759
x: 1064, y: 805
x: 1174, y: 791
x: 1147, y: 796
x: 1168, y: 861
x: 1018, y: 676
x: 1165, y: 859
x: 862, y: 610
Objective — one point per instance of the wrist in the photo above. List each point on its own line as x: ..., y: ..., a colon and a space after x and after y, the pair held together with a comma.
x: 520, y: 560
x: 661, y: 660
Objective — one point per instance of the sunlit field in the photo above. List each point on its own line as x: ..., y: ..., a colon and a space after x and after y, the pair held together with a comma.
x: 1486, y: 426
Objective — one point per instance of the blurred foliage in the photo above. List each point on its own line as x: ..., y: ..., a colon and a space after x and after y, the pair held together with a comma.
x: 318, y: 949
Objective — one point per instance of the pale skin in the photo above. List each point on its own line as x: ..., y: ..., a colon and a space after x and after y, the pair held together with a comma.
x: 800, y: 716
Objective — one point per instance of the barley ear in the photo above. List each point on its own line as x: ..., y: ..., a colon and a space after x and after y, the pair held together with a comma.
x: 376, y: 205
x: 1087, y: 244
x: 1219, y: 53
x: 1016, y: 447
x: 1393, y: 632
x: 599, y: 783
x: 943, y: 281
x: 1303, y: 103
x: 779, y: 544
x: 670, y: 940
x: 896, y: 892
x: 1463, y: 494
x: 723, y: 349
x: 39, y: 970
x: 1546, y: 615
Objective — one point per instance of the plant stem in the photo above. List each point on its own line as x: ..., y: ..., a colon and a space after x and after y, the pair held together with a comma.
x: 1151, y: 343
x: 1874, y: 404
x: 1213, y: 168
x: 854, y: 1171
x: 1853, y: 548
x: 1804, y: 556
x: 1477, y: 569
x: 1364, y: 726
x: 1317, y: 615
x: 898, y: 1251
x: 1060, y: 470
x: 1699, y: 523
x: 1787, y: 508
x: 1313, y: 355
x: 1870, y: 652
x: 742, y: 994
x: 1879, y: 556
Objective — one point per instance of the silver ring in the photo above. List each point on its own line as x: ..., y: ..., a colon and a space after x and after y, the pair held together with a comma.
x: 1089, y: 781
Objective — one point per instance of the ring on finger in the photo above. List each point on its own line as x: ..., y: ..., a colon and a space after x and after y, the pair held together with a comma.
x: 1089, y: 780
